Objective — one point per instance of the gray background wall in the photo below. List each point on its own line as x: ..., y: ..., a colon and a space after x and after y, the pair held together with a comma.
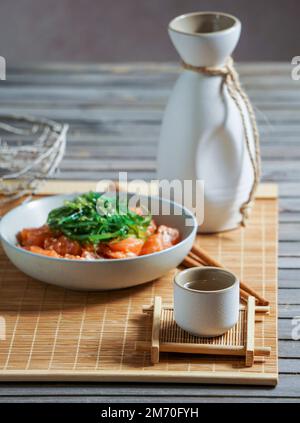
x: 135, y: 30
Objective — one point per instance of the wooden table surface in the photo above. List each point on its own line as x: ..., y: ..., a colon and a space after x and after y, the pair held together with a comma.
x: 114, y: 112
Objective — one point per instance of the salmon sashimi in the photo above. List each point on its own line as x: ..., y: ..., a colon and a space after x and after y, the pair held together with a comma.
x: 52, y: 243
x: 39, y: 250
x: 34, y: 236
x: 153, y: 244
x: 63, y: 245
x: 164, y: 238
x: 128, y: 247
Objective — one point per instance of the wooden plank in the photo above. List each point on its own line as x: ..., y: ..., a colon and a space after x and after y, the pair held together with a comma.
x: 289, y: 296
x: 153, y: 115
x: 288, y: 311
x: 289, y: 249
x: 133, y: 399
x: 251, y: 68
x: 289, y: 231
x: 288, y: 278
x: 288, y: 386
x: 289, y: 262
x: 111, y: 175
x: 289, y: 366
x: 134, y: 78
x: 286, y: 326
x: 289, y: 349
x: 289, y: 217
x: 125, y: 95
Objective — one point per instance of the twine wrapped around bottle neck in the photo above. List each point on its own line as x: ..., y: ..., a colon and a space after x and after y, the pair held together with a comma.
x: 238, y: 95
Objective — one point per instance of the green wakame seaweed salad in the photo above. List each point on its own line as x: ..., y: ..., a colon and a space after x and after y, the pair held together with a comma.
x: 94, y: 218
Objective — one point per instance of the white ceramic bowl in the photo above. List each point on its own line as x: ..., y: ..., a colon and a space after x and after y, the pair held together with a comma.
x: 93, y: 274
x: 213, y: 308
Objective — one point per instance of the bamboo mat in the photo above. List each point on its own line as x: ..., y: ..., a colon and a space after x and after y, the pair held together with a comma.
x: 49, y: 333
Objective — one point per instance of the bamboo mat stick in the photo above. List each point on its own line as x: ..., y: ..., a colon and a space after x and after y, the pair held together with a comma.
x: 156, y: 330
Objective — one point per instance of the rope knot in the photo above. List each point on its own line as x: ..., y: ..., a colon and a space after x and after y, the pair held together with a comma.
x: 245, y: 211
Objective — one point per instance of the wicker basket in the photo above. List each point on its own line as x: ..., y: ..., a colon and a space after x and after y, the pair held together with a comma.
x: 30, y: 151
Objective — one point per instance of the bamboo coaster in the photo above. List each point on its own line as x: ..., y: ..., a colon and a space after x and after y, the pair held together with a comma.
x: 167, y: 336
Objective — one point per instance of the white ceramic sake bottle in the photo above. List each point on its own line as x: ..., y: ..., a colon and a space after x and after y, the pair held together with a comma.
x: 202, y: 136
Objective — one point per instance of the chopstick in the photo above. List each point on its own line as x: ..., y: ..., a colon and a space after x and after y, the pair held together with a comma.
x: 198, y: 256
x: 189, y: 261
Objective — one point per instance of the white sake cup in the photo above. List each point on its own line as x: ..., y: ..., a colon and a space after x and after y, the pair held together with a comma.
x: 211, y: 309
